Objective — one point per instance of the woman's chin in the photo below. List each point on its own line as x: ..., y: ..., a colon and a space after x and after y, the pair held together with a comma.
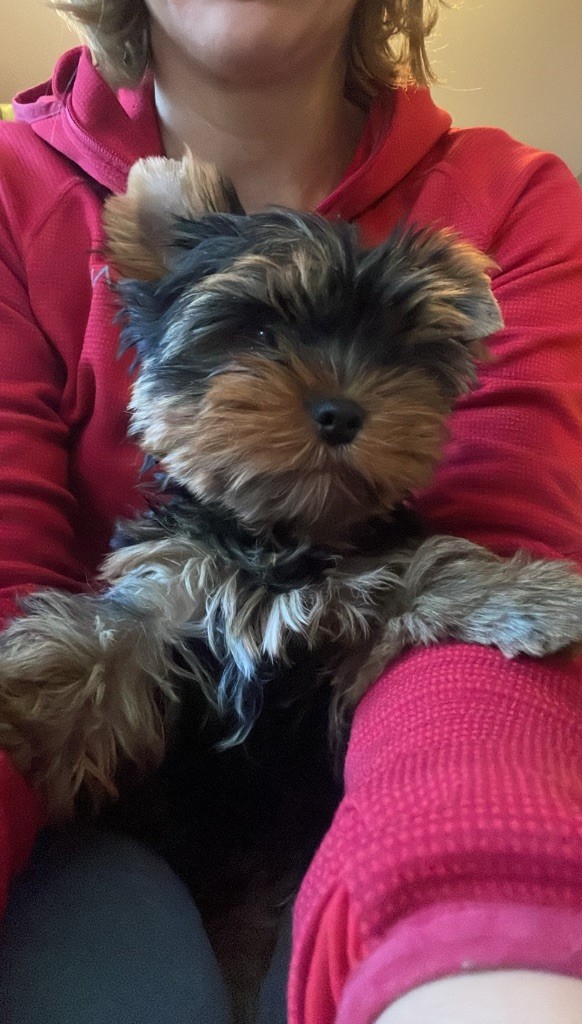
x: 251, y: 43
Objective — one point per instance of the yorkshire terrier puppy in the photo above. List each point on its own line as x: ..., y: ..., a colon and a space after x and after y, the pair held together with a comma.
x: 293, y: 389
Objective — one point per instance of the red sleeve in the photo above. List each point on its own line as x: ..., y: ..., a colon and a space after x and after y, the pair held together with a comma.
x: 36, y: 506
x: 21, y: 816
x: 463, y: 787
x: 464, y: 770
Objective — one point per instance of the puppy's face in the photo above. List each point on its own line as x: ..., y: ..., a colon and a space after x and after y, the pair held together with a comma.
x: 285, y: 372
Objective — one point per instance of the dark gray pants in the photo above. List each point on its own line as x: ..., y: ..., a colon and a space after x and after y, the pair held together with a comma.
x: 99, y: 931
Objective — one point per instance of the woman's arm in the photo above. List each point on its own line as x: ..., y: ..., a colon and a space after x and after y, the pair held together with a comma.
x: 458, y: 845
x: 38, y: 510
x: 37, y: 506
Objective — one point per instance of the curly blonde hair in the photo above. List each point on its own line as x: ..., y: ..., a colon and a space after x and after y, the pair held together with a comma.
x: 386, y: 44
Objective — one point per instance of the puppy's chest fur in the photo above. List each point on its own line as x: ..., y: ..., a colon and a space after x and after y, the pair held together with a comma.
x: 261, y: 603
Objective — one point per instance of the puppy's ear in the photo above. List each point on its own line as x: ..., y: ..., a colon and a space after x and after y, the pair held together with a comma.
x: 140, y: 225
x: 436, y: 294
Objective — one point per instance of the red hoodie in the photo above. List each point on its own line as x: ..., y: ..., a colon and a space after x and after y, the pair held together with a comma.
x: 458, y: 844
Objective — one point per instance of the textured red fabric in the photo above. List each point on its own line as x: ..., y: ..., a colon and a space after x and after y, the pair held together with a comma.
x: 455, y: 938
x: 464, y: 783
x: 21, y: 816
x: 462, y: 777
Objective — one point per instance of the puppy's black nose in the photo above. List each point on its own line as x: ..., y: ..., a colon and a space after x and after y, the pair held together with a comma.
x: 338, y: 420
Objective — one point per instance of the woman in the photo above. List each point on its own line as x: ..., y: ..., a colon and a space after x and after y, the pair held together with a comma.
x: 457, y: 848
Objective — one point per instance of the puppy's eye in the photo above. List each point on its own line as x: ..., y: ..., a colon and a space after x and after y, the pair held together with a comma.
x: 266, y: 336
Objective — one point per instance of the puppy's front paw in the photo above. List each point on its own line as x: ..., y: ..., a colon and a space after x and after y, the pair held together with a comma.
x: 521, y: 605
x: 74, y: 698
x: 541, y: 615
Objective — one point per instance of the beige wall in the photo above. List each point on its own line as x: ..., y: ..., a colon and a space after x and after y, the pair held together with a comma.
x: 31, y: 39
x: 514, y: 63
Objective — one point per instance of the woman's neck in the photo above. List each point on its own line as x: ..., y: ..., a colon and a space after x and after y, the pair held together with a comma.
x: 285, y: 143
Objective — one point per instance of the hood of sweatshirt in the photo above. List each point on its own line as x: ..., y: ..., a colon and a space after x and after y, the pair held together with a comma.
x: 104, y: 132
